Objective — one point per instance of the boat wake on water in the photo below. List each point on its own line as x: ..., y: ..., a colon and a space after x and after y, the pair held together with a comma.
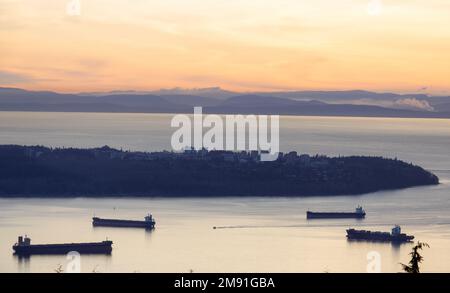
x: 262, y: 226
x: 273, y: 226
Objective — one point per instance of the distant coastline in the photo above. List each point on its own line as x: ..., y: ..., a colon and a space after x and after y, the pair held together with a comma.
x: 36, y: 171
x: 218, y: 101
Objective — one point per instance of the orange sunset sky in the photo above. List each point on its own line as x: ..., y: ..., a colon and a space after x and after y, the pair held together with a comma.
x: 243, y: 45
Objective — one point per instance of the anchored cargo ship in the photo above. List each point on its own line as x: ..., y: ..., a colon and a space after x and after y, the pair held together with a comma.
x: 24, y: 247
x: 395, y: 236
x: 359, y: 213
x: 148, y: 223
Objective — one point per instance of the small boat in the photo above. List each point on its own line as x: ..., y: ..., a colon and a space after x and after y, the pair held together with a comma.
x: 396, y: 235
x: 359, y: 213
x: 148, y: 223
x: 24, y: 247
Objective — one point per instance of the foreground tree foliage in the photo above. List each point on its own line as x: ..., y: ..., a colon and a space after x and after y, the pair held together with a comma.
x: 416, y: 258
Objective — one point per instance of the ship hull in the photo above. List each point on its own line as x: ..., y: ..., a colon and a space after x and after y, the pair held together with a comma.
x: 104, y: 247
x: 98, y: 222
x: 318, y: 215
x: 377, y: 236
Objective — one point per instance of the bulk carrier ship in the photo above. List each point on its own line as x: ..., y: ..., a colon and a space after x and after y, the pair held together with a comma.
x: 24, y: 247
x: 395, y: 236
x: 148, y: 223
x: 359, y: 213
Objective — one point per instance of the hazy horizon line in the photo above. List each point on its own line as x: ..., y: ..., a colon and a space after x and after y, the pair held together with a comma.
x: 220, y: 88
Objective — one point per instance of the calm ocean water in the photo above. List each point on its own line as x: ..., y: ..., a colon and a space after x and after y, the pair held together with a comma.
x: 259, y: 234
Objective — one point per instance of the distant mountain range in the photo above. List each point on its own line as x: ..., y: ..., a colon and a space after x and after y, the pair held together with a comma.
x: 217, y: 100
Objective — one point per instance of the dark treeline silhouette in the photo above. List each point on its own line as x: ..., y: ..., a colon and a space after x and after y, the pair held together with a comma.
x: 42, y: 171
